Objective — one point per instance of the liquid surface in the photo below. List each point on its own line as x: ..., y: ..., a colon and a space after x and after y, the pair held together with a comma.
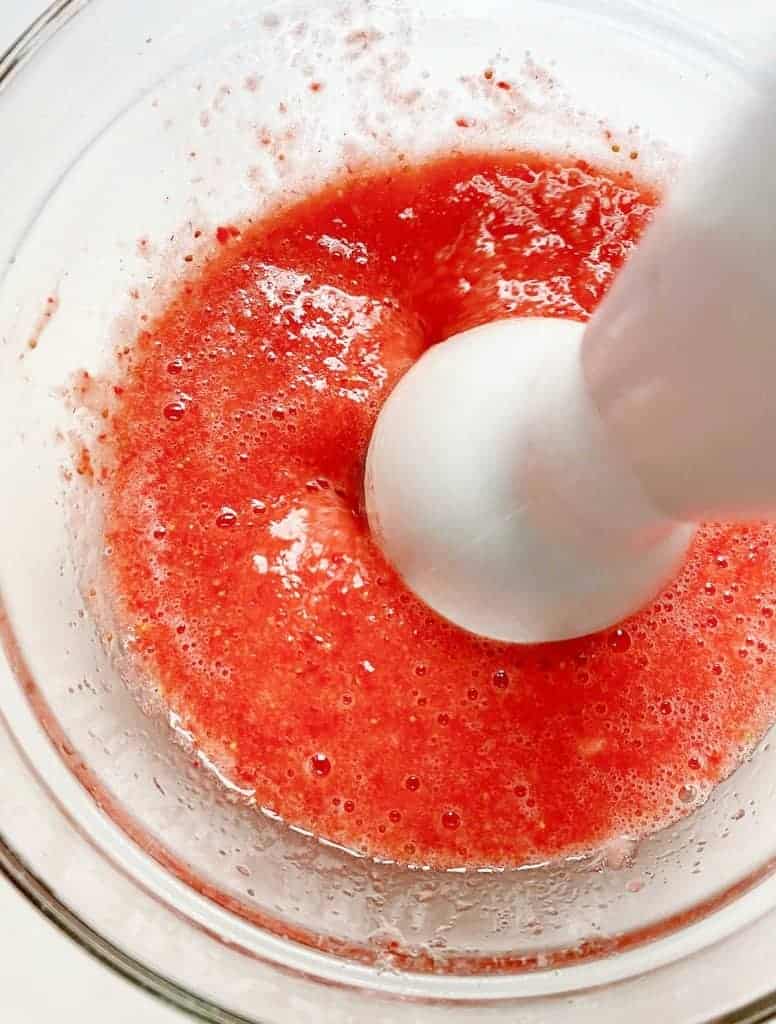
x: 248, y: 591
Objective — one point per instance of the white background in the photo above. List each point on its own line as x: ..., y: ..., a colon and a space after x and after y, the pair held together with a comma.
x: 43, y: 976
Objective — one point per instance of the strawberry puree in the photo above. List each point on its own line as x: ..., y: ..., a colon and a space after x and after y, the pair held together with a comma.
x: 250, y: 594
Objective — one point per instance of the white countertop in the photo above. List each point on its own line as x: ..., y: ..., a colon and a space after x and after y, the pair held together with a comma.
x: 44, y: 977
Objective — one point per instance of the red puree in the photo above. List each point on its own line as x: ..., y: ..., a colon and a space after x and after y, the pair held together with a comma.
x: 246, y: 580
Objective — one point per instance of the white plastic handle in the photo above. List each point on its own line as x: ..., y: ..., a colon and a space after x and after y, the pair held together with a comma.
x: 680, y: 359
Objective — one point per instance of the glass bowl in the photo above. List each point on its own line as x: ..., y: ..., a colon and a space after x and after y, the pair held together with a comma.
x: 135, y: 128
